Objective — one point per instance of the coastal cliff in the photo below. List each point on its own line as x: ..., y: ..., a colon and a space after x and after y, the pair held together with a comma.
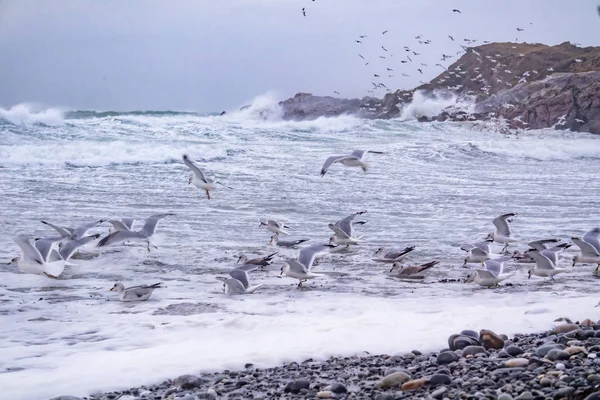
x: 529, y: 86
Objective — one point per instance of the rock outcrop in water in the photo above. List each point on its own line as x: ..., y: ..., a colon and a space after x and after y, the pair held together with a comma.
x: 530, y: 86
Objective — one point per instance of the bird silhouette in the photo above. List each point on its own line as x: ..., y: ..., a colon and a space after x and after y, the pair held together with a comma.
x: 389, y: 69
x: 419, y: 70
x: 451, y: 38
x: 358, y: 41
x: 520, y: 29
x: 384, y: 49
x: 376, y: 76
x: 334, y: 90
x: 304, y: 11
x: 360, y: 55
x: 456, y: 11
x: 384, y: 32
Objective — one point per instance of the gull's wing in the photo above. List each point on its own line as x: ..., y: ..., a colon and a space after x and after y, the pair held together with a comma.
x: 396, y: 254
x: 120, y: 235
x: 118, y: 225
x: 197, y: 171
x: 541, y: 260
x: 67, y: 249
x: 415, y: 269
x: 485, y: 245
x: 307, y: 255
x: 330, y: 160
x: 297, y: 267
x: 486, y: 274
x: 61, y: 231
x: 136, y: 293
x: 241, y: 275
x: 593, y: 237
x: 340, y: 233
x: 495, y: 267
x: 30, y: 252
x: 128, y: 222
x: 557, y: 248
x: 540, y: 245
x: 476, y: 251
x: 151, y: 223
x: 361, y: 153
x: 45, y: 246
x: 502, y: 225
x: 233, y: 285
x: 81, y: 230
x: 345, y: 224
x: 586, y: 249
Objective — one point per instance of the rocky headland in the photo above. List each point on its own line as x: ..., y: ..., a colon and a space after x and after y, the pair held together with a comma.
x: 526, y: 86
x: 561, y: 363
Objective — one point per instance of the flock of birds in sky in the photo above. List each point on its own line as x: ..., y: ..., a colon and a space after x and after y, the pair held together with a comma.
x: 407, y: 59
x: 50, y: 255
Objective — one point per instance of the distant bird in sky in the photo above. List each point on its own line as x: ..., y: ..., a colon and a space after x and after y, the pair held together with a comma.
x: 389, y: 69
x: 451, y: 38
x: 303, y: 11
x: 358, y: 41
x: 418, y: 69
x: 367, y: 63
x: 520, y: 29
x: 383, y: 57
x: 418, y: 37
x: 409, y: 59
x: 416, y: 54
x: 440, y: 65
x: 334, y: 90
x: 360, y: 55
x: 403, y: 61
x: 424, y: 64
x: 384, y: 32
x: 406, y: 75
x: 362, y: 36
x: 376, y: 76
x: 384, y: 49
x: 456, y: 11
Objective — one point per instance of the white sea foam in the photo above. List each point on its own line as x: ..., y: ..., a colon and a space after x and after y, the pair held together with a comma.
x: 29, y: 114
x: 430, y: 105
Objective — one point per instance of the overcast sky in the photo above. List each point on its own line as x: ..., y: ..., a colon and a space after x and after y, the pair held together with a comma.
x: 201, y: 55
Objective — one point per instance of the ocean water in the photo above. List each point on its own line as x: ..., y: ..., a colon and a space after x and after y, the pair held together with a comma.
x: 438, y: 186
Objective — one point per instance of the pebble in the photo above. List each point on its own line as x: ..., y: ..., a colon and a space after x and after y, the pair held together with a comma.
x: 545, y: 382
x: 384, y: 397
x: 526, y: 395
x: 576, y: 350
x: 545, y: 348
x: 325, y: 394
x: 564, y: 328
x: 456, y: 342
x: 296, y: 386
x: 514, y: 350
x: 560, y: 366
x: 516, y: 362
x: 414, y: 384
x: 439, y: 393
x: 470, y: 333
x: 593, y: 396
x: 564, y: 392
x: 447, y: 357
x: 587, y: 322
x: 440, y: 379
x: 473, y: 350
x: 490, y: 340
x: 557, y: 354
x: 338, y: 388
x: 188, y: 382
x: 393, y: 380
x: 505, y: 396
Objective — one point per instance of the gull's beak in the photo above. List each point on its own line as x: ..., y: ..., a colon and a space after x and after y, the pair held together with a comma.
x: 112, y: 288
x: 574, y: 263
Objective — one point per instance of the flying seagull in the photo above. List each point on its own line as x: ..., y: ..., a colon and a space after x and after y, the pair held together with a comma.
x: 384, y: 32
x: 198, y: 178
x: 303, y: 11
x: 384, y: 49
x: 456, y: 11
x: 360, y: 55
x: 336, y: 92
x: 451, y: 38
x: 354, y: 159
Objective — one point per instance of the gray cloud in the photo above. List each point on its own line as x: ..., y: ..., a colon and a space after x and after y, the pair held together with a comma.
x: 210, y: 55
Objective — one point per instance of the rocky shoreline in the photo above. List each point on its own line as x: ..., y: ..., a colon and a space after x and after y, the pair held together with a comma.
x: 561, y: 363
x: 521, y: 85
